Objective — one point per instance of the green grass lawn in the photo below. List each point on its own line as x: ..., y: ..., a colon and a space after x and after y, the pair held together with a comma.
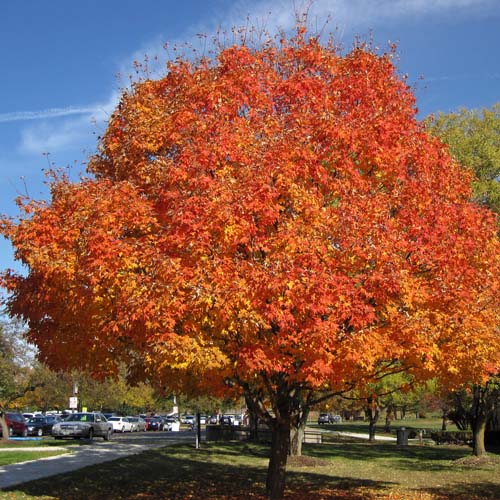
x: 360, y: 426
x: 14, y: 457
x: 340, y: 470
x: 47, y: 441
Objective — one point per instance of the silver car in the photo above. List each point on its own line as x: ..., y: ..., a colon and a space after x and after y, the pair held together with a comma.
x: 138, y: 424
x: 83, y: 425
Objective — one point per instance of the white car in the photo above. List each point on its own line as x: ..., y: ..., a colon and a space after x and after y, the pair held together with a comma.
x: 189, y: 419
x: 120, y: 424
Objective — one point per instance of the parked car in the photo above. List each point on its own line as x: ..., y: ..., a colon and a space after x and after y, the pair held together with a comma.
x: 226, y: 420
x: 189, y: 419
x: 40, y: 425
x: 121, y: 424
x: 16, y: 424
x: 161, y: 423
x: 83, y: 425
x: 152, y: 424
x: 323, y: 418
x: 139, y: 424
x: 214, y: 419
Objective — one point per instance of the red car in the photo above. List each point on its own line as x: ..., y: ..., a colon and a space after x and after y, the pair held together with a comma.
x: 16, y: 424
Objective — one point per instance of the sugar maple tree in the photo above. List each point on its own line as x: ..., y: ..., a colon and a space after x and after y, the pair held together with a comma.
x: 274, y: 220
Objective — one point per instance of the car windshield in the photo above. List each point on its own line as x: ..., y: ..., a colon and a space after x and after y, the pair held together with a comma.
x: 113, y: 419
x: 81, y: 417
x: 35, y: 420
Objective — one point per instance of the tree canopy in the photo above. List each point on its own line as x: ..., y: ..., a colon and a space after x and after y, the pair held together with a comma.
x: 473, y: 137
x: 274, y: 220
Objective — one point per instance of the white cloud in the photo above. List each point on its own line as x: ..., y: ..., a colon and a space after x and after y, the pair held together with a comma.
x: 344, y: 16
x: 56, y: 135
x: 349, y: 14
x: 48, y: 136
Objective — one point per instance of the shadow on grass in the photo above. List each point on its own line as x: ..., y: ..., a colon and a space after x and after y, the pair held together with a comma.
x: 238, y: 470
x: 180, y: 472
x: 399, y: 456
x: 483, y: 490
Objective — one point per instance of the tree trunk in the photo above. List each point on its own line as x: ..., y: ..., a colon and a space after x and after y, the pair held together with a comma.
x: 297, y: 432
x: 443, y: 422
x: 253, y: 418
x: 296, y: 439
x: 5, y: 429
x: 482, y: 408
x: 275, y: 484
x: 388, y: 419
x: 371, y: 430
x: 373, y: 413
x: 478, y: 430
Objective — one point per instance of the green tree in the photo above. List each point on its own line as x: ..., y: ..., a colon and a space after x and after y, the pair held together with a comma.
x: 473, y: 137
x: 16, y: 374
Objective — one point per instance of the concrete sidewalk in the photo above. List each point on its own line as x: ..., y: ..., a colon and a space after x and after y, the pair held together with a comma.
x: 77, y: 458
x: 364, y: 436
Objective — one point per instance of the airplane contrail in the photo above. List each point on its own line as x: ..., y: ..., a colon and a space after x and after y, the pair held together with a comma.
x: 16, y: 116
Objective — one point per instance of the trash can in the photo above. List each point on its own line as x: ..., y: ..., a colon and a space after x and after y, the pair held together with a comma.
x: 402, y: 436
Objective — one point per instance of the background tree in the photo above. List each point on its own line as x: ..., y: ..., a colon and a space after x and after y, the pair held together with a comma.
x: 16, y: 376
x: 52, y: 394
x: 274, y: 221
x: 473, y: 137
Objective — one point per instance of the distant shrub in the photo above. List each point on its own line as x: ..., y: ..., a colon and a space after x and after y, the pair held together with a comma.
x: 452, y: 437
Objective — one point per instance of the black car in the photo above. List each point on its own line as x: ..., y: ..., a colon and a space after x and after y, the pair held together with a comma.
x: 39, y: 426
x: 226, y: 420
x: 161, y: 423
x: 152, y: 424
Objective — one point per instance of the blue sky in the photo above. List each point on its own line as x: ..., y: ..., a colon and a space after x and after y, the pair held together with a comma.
x: 60, y: 62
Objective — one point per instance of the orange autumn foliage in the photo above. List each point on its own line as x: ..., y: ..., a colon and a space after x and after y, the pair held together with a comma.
x: 276, y: 215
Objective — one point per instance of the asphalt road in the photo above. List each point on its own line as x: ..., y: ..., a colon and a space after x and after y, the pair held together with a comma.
x: 97, y: 451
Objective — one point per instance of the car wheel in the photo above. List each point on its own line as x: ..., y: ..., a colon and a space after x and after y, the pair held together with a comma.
x: 91, y: 434
x: 39, y: 432
x: 108, y: 434
x: 25, y: 433
x: 11, y: 432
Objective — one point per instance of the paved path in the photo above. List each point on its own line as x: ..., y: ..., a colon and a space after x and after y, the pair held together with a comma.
x: 85, y: 455
x: 365, y: 436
